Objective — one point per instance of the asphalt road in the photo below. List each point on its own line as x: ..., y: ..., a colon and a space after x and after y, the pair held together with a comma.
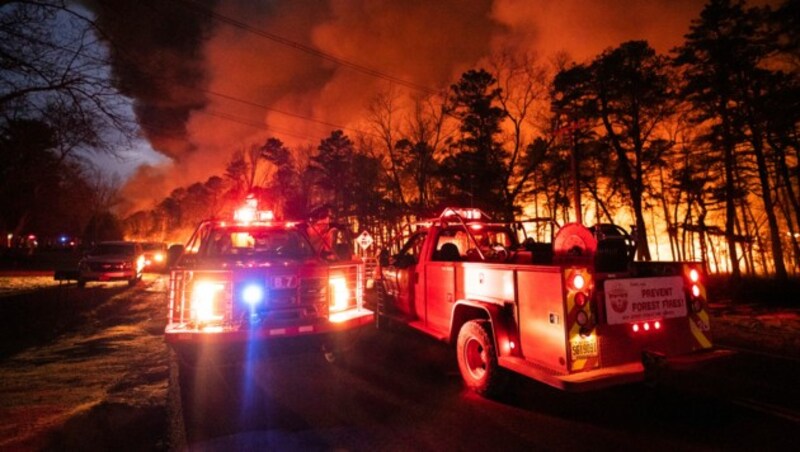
x: 395, y: 390
x: 399, y: 390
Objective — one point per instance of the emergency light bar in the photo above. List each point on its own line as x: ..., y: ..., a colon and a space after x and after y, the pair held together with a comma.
x: 249, y: 212
x: 466, y: 214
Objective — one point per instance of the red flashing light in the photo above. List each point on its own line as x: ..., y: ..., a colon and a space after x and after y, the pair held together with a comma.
x: 245, y: 214
x: 646, y: 326
x: 249, y: 212
x: 694, y: 275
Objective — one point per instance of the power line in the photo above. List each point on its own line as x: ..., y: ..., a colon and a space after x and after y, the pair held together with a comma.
x: 205, y: 91
x: 304, y: 48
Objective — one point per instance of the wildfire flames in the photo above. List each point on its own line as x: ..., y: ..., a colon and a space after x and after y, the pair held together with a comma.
x: 208, y: 79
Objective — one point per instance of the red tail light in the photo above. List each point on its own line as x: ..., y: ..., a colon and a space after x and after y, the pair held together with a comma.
x: 645, y: 327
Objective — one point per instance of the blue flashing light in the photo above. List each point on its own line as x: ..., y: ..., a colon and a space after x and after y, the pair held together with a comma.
x: 63, y: 239
x: 253, y: 294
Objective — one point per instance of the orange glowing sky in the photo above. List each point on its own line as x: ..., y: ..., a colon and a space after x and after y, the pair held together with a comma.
x: 256, y: 80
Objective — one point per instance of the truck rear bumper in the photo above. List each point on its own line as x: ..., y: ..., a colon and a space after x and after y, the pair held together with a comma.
x: 181, y: 334
x: 608, y: 376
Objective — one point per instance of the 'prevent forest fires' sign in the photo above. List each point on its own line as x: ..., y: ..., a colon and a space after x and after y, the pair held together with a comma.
x: 633, y: 300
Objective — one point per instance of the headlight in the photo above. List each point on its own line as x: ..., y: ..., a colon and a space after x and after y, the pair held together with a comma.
x: 159, y: 257
x: 340, y: 294
x: 206, y: 301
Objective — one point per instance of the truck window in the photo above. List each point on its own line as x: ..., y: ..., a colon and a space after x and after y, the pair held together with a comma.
x: 485, y: 238
x: 413, y: 247
x: 450, y: 246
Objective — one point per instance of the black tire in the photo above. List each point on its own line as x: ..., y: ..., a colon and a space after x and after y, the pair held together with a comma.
x: 133, y: 282
x: 477, y: 359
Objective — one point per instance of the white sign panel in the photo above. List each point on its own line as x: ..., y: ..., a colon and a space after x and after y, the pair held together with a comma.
x: 633, y: 300
x: 364, y: 240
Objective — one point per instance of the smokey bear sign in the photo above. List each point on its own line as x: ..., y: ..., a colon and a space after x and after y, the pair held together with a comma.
x: 633, y: 300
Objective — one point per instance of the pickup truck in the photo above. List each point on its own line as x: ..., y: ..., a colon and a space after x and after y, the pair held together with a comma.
x: 250, y: 282
x: 576, y: 312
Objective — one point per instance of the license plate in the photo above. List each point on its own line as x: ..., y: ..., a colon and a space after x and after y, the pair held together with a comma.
x: 583, y: 347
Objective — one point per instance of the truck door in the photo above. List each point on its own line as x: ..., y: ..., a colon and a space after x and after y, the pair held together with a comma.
x: 440, y: 282
x: 401, y: 277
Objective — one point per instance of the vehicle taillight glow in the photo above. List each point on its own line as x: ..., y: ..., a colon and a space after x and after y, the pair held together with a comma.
x: 578, y: 281
x: 340, y: 294
x: 646, y: 326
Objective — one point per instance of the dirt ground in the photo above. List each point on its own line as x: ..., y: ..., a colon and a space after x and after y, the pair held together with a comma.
x: 84, y: 369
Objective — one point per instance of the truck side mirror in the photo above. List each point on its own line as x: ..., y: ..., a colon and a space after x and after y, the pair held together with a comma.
x: 173, y: 254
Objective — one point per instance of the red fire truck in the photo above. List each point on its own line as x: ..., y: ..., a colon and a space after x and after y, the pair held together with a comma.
x: 258, y: 279
x: 575, y: 311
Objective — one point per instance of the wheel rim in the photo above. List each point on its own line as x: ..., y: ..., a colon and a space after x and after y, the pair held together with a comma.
x: 475, y: 358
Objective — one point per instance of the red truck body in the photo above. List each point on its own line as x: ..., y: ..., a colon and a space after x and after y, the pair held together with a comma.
x: 578, y: 314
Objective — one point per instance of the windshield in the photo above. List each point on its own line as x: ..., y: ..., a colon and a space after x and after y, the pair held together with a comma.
x: 109, y: 249
x: 256, y: 243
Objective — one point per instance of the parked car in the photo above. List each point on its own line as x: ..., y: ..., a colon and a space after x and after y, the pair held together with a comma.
x: 155, y: 256
x: 112, y: 261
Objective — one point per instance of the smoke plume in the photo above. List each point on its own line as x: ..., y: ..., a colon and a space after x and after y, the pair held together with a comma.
x: 208, y: 78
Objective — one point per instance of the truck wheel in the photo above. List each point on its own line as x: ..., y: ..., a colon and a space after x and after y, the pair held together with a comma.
x: 477, y: 359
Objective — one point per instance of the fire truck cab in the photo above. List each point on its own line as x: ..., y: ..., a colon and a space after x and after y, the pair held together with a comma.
x: 257, y: 279
x: 576, y: 312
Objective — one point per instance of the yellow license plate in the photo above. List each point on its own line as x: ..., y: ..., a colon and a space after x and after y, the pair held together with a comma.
x: 583, y: 347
